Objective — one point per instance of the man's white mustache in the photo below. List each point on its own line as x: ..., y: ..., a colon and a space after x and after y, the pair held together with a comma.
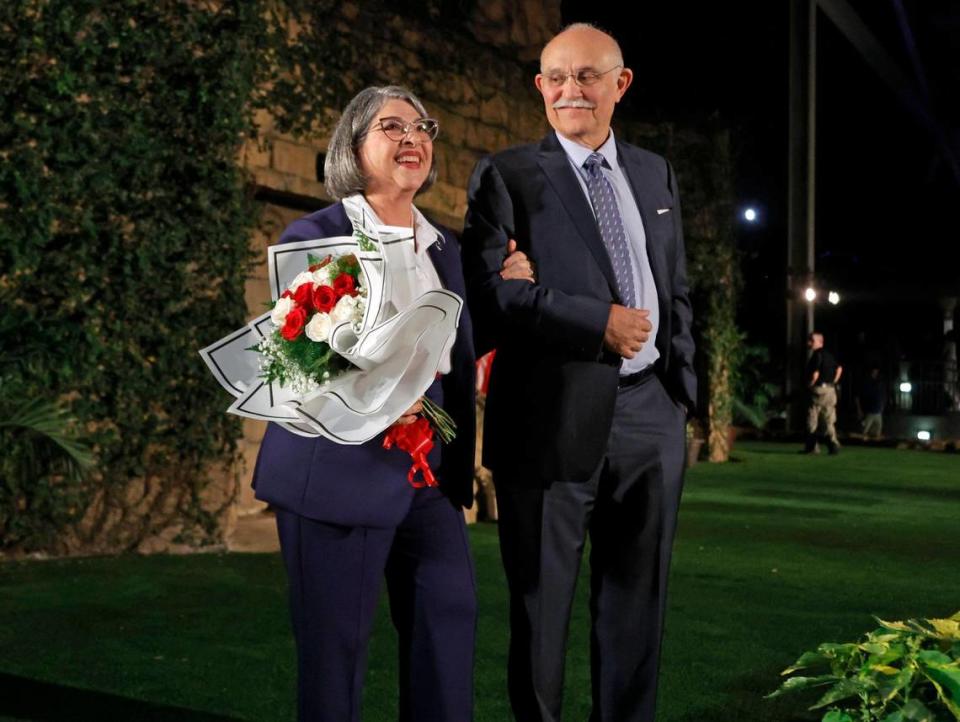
x: 573, y: 103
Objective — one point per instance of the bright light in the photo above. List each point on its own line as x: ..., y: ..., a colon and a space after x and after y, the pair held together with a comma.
x: 906, y: 387
x: 810, y: 294
x: 923, y: 435
x: 750, y: 215
x: 833, y: 297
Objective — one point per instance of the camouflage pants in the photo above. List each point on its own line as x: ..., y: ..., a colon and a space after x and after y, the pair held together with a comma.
x: 823, y: 407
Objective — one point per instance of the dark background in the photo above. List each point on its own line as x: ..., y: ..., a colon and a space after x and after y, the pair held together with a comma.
x: 886, y: 216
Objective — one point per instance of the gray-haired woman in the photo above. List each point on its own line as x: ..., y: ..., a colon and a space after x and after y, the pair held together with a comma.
x: 346, y: 515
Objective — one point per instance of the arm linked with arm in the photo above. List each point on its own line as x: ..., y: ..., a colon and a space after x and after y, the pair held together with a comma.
x: 518, y: 306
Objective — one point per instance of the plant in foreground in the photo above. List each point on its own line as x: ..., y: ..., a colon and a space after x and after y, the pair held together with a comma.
x: 901, y: 672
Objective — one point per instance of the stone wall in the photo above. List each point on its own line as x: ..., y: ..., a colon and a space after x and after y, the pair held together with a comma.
x: 470, y: 77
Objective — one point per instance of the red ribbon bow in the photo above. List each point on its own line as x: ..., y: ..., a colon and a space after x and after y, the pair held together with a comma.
x: 417, y: 440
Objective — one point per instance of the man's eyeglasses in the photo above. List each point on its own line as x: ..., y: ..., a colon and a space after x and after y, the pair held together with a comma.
x: 423, y: 129
x: 555, y: 79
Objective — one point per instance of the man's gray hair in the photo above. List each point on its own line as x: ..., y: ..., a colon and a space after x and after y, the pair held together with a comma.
x: 343, y: 175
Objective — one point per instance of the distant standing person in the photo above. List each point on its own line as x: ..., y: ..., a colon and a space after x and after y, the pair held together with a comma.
x: 870, y: 403
x: 823, y: 374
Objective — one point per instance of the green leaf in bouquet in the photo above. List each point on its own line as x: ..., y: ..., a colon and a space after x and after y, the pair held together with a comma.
x: 442, y: 423
x: 363, y: 240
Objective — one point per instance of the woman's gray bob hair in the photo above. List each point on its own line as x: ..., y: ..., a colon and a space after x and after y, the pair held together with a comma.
x: 342, y: 173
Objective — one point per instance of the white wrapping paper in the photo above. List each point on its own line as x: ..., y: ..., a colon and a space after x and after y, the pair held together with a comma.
x: 396, y: 354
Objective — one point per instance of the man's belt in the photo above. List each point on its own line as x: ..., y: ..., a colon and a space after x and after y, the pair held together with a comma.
x: 637, y: 378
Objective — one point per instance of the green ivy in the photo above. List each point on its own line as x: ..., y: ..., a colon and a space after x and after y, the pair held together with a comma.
x: 124, y: 227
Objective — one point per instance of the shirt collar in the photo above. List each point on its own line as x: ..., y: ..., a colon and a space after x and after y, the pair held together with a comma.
x: 426, y: 234
x: 578, y: 153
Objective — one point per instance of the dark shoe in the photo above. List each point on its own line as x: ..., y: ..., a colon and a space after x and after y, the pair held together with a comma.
x: 834, y: 450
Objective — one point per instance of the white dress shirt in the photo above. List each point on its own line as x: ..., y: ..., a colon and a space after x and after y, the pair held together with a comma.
x: 643, y: 282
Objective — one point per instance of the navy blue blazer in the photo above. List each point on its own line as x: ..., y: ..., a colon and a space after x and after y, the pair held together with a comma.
x: 366, y: 485
x: 553, y: 385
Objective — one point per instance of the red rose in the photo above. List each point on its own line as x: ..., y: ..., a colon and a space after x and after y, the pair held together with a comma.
x: 304, y: 296
x: 324, y: 299
x: 293, y: 326
x: 344, y: 285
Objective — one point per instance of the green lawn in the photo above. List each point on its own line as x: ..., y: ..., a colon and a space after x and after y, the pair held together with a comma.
x: 775, y: 553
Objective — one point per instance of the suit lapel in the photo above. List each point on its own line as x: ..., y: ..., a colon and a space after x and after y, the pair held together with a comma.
x: 439, y: 262
x: 647, y: 205
x: 556, y: 168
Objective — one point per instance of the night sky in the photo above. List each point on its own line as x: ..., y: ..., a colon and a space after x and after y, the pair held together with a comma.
x: 887, y: 202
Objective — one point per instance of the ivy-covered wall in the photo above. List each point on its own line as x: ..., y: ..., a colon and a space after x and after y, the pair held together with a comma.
x: 123, y: 244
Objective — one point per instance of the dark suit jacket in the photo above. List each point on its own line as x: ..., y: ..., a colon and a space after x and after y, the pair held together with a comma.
x: 553, y: 385
x: 366, y: 485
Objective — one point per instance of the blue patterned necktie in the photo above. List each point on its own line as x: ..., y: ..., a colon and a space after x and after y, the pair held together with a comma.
x: 611, y: 226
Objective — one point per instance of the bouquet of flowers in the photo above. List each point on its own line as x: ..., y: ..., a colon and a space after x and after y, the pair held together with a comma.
x: 330, y: 292
x: 334, y: 357
x: 297, y: 354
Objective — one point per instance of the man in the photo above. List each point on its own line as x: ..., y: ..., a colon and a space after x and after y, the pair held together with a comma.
x: 870, y: 402
x: 823, y: 373
x: 584, y: 427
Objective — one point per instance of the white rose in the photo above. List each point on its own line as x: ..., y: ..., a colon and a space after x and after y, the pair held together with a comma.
x: 345, y: 309
x: 318, y: 328
x: 305, y: 277
x: 321, y: 276
x: 279, y: 314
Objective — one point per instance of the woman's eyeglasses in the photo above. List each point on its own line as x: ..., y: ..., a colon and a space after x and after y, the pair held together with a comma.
x: 424, y: 129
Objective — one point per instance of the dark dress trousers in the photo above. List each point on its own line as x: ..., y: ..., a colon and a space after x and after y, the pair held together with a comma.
x: 347, y: 518
x: 573, y: 452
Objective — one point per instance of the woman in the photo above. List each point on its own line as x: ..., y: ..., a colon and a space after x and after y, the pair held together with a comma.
x: 346, y: 515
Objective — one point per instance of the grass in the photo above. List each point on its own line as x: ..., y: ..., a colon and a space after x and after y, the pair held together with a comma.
x: 775, y: 553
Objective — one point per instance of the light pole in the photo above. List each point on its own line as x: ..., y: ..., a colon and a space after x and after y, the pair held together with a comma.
x: 801, y: 192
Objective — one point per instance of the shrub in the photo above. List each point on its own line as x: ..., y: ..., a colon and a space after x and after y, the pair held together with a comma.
x: 900, y: 672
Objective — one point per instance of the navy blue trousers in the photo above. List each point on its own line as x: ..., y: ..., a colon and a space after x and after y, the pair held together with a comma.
x: 629, y: 510
x: 335, y: 575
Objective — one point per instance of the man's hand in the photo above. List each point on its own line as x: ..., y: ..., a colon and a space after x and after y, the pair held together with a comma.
x: 627, y: 330
x: 410, y: 415
x: 516, y: 266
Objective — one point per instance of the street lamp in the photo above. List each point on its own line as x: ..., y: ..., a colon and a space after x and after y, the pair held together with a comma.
x: 833, y: 297
x: 810, y: 294
x: 750, y: 215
